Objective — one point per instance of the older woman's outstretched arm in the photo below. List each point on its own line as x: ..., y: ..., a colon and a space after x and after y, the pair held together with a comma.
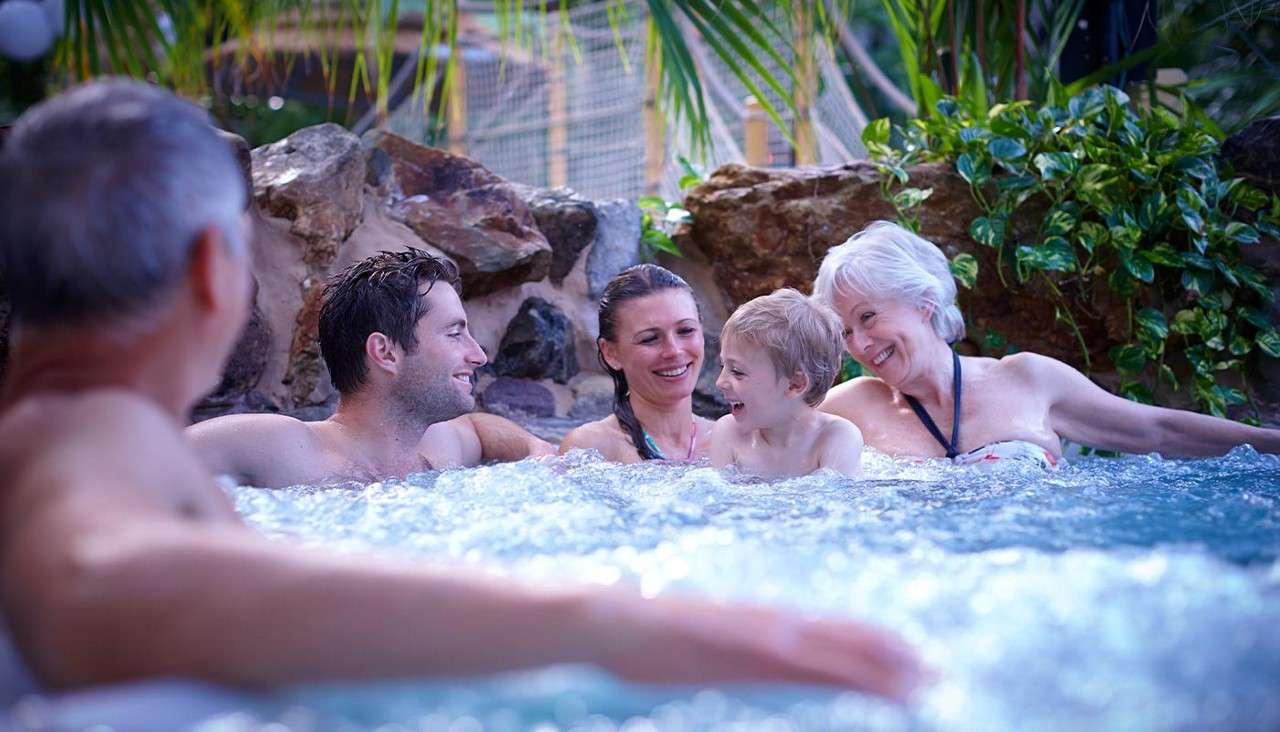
x: 1083, y: 412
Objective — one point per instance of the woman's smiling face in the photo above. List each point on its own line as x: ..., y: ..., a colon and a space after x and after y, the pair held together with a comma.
x: 659, y: 345
x: 884, y: 334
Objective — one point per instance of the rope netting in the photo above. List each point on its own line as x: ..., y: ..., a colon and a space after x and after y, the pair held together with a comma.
x: 550, y: 110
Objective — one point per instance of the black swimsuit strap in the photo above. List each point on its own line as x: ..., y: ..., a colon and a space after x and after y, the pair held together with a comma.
x: 953, y: 447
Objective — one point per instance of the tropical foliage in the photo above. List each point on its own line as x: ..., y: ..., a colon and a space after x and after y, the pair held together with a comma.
x: 1135, y: 202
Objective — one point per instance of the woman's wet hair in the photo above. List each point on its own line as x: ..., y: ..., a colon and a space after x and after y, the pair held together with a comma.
x: 381, y: 294
x: 630, y: 284
x: 886, y: 260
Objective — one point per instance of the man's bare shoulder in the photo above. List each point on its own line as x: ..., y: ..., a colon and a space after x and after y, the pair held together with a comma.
x: 106, y: 447
x: 251, y: 426
x: 262, y: 449
x: 100, y: 420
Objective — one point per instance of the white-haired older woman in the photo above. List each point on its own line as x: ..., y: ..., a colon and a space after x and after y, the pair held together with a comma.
x: 896, y: 295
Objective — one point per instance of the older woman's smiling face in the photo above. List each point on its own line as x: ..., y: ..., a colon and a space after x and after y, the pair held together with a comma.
x: 888, y: 336
x: 659, y: 345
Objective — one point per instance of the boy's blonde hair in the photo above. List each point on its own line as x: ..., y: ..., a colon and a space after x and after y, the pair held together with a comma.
x: 799, y: 334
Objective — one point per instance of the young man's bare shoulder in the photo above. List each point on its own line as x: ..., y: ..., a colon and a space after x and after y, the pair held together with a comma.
x: 262, y: 449
x: 254, y: 431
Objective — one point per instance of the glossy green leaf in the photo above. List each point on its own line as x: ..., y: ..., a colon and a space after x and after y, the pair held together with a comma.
x: 1140, y: 267
x: 1136, y: 391
x: 1006, y: 149
x: 1128, y: 358
x: 1152, y: 321
x: 988, y: 231
x: 1241, y: 233
x: 1054, y: 254
x: 1269, y: 342
x: 964, y: 267
x: 1056, y: 165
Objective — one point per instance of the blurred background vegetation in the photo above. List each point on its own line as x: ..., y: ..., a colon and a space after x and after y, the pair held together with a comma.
x: 920, y: 49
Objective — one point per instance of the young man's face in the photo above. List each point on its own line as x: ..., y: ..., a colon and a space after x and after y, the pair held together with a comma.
x: 435, y: 383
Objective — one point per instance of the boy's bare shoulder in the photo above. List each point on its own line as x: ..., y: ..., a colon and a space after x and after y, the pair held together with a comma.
x: 836, y: 429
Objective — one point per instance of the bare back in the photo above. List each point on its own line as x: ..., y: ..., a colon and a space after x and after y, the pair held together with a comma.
x: 77, y: 466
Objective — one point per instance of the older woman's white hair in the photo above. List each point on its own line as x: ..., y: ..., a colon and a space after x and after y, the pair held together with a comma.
x: 885, y: 260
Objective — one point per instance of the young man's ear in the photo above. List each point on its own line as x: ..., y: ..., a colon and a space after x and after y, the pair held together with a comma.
x: 610, y: 353
x: 382, y: 353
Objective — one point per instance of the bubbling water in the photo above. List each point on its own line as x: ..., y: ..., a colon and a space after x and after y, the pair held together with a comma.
x: 1112, y: 593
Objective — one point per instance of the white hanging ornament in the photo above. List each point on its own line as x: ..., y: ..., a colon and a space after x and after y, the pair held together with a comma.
x: 25, y: 33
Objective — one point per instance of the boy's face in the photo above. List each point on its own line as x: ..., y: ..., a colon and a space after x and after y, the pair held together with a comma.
x: 758, y: 395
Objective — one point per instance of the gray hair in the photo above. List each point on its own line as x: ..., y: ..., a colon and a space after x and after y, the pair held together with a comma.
x: 104, y: 189
x: 886, y: 260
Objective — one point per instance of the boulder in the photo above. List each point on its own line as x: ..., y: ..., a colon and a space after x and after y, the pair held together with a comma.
x: 313, y: 179
x: 592, y: 396
x: 1254, y: 152
x: 616, y: 244
x: 516, y: 398
x: 538, y: 344
x: 762, y: 229
x: 247, y: 362
x: 474, y: 216
x: 244, y: 156
x: 567, y: 220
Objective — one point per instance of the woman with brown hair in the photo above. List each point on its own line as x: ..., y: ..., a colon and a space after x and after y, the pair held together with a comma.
x: 651, y: 344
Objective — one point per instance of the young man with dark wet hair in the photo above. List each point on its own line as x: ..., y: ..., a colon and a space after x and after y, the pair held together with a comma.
x: 396, y: 342
x: 120, y: 556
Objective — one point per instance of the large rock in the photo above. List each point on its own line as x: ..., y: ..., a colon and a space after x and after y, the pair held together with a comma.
x: 244, y: 368
x: 518, y: 398
x: 1254, y: 152
x: 616, y: 245
x: 567, y: 220
x: 313, y: 179
x: 476, y: 217
x: 538, y: 344
x: 762, y: 229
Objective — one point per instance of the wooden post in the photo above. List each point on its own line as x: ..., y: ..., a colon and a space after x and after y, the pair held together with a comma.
x: 557, y: 116
x: 755, y: 133
x: 655, y: 128
x: 804, y: 93
x: 456, y: 119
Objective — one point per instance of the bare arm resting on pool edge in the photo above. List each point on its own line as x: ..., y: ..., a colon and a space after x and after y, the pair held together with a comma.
x: 219, y: 602
x: 1083, y: 412
x: 500, y: 439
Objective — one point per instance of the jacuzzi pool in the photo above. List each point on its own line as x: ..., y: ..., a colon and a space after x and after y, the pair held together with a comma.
x: 1128, y: 593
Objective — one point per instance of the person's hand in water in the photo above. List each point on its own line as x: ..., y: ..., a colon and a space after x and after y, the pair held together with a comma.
x: 675, y: 640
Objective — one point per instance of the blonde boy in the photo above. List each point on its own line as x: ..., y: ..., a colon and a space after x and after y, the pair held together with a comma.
x: 780, y: 353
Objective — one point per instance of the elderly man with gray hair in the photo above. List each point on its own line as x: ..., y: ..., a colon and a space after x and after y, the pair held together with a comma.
x: 121, y: 558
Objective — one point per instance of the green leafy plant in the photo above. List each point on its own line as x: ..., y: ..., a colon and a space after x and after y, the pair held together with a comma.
x: 659, y: 217
x: 1135, y: 202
